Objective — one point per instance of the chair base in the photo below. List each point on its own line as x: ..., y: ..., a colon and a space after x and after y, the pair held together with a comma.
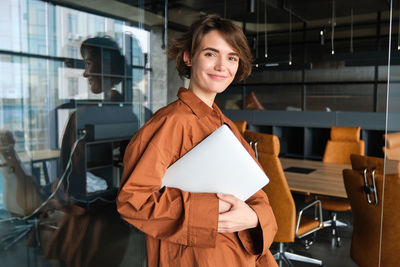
x: 334, y: 223
x: 286, y: 257
x: 328, y: 223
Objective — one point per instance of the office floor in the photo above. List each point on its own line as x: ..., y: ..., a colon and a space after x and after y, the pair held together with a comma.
x: 322, y: 248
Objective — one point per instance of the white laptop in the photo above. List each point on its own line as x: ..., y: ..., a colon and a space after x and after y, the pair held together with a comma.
x: 218, y: 164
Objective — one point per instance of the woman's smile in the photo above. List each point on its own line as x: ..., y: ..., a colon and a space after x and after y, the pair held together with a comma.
x: 217, y: 77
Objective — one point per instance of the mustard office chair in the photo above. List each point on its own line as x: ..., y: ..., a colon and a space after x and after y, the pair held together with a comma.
x: 21, y: 193
x: 290, y: 224
x: 241, y: 125
x: 392, y: 151
x: 364, y: 185
x: 344, y: 141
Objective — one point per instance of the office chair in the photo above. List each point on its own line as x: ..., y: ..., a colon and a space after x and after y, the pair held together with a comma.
x: 392, y: 151
x: 241, y: 125
x: 290, y: 224
x: 22, y: 195
x: 252, y: 102
x: 364, y: 187
x: 344, y: 141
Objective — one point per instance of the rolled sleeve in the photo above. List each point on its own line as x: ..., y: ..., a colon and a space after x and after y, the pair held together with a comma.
x: 258, y: 240
x: 203, y: 220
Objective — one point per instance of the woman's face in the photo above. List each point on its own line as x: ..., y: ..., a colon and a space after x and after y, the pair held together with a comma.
x: 93, y: 70
x: 213, y: 66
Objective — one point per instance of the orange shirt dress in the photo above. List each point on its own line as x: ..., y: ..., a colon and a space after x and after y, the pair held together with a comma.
x: 181, y: 227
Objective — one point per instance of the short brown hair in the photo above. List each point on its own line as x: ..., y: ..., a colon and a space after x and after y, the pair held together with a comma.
x: 191, y: 39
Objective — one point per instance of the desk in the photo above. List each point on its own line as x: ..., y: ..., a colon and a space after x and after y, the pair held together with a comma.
x: 327, y: 179
x: 39, y: 155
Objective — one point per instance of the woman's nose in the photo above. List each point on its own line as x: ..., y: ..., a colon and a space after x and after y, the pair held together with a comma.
x: 85, y: 73
x: 219, y: 64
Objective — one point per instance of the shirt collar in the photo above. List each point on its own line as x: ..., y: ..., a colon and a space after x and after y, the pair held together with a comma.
x: 199, y: 108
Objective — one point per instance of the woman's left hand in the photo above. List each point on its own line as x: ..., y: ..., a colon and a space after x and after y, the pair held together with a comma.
x: 240, y: 216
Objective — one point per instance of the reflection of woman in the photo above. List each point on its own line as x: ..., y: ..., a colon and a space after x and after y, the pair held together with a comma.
x: 83, y: 237
x: 97, y: 71
x: 104, y: 66
x: 195, y: 229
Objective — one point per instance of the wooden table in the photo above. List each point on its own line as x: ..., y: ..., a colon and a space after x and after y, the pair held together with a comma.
x: 326, y: 179
x: 39, y: 155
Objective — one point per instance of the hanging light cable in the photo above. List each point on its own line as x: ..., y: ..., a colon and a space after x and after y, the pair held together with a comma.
x: 333, y: 22
x: 265, y: 31
x: 224, y: 9
x: 257, y: 17
x: 398, y: 33
x: 351, y: 32
x: 290, y: 37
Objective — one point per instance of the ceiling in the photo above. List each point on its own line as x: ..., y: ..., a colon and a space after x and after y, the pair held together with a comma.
x: 370, y: 19
x: 278, y: 10
x: 181, y: 13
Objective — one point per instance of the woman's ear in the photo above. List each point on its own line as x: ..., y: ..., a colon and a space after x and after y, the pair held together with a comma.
x: 187, y: 59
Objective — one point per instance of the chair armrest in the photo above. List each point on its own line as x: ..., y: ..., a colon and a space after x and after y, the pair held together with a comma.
x: 320, y: 219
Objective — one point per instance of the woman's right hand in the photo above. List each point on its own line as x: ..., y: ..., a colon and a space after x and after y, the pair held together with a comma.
x: 240, y: 216
x: 224, y: 206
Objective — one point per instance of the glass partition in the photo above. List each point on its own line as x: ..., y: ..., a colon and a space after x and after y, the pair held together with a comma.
x: 75, y: 85
x: 311, y: 78
x: 389, y: 186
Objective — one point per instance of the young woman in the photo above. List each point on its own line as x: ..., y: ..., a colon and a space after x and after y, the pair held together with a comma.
x: 184, y: 228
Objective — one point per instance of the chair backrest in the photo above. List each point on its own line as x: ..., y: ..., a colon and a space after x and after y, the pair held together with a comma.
x: 241, y: 125
x: 253, y: 103
x: 344, y: 142
x: 277, y: 189
x: 20, y: 192
x: 392, y: 151
x: 367, y: 217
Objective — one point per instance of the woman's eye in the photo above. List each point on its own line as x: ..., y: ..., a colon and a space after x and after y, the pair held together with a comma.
x: 233, y: 59
x: 209, y: 54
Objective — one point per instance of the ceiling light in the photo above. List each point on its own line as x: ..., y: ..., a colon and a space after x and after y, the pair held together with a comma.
x: 290, y: 36
x: 351, y: 32
x: 265, y: 31
x: 333, y: 27
x: 322, y: 37
x: 252, y: 6
x: 257, y: 37
x: 398, y: 33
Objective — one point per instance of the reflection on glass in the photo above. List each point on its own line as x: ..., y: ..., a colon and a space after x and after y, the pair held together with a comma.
x: 57, y: 65
x: 340, y: 98
x: 104, y: 67
x: 388, y: 206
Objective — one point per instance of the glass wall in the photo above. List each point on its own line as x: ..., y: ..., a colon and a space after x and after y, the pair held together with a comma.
x: 388, y: 186
x: 334, y: 71
x: 74, y: 88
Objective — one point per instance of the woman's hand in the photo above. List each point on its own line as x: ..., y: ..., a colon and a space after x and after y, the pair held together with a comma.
x: 224, y: 206
x: 238, y: 218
